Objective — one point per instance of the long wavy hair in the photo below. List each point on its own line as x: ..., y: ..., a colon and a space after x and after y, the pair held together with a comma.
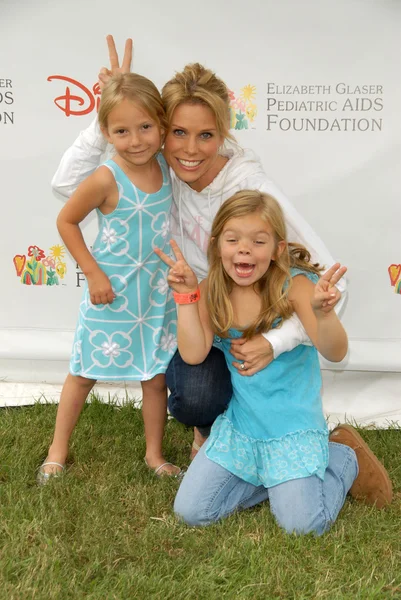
x: 272, y: 286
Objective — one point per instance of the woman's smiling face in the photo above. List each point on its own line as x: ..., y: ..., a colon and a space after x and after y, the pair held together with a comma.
x: 192, y: 144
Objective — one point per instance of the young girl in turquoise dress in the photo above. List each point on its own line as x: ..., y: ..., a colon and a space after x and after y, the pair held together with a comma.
x: 272, y: 442
x: 127, y: 320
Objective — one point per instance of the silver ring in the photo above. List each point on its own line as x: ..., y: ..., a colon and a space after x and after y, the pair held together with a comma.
x: 242, y: 367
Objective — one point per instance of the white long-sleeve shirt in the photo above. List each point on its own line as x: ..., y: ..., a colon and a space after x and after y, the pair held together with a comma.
x: 193, y: 212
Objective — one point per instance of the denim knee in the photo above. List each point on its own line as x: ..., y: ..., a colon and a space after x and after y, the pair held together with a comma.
x: 301, y: 524
x: 299, y: 506
x: 190, y: 512
x: 199, y: 393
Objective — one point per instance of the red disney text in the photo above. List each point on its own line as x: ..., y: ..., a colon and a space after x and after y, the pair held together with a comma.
x: 77, y: 99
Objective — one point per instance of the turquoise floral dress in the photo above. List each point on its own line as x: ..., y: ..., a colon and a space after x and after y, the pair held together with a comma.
x: 134, y: 337
x: 274, y: 429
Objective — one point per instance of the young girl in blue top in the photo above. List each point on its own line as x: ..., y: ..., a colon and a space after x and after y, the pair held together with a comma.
x: 127, y: 320
x: 272, y: 442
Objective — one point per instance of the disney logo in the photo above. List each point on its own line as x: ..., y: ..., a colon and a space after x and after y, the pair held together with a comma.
x: 76, y: 95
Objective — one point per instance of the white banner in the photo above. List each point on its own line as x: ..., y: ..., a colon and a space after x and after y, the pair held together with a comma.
x: 315, y: 92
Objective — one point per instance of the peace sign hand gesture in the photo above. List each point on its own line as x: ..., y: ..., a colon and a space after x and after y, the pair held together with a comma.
x: 181, y: 277
x: 326, y: 295
x: 105, y: 74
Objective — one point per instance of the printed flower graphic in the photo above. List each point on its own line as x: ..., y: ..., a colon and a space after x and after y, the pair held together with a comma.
x: 111, y: 349
x: 165, y: 340
x: 165, y: 229
x: 221, y: 446
x: 160, y: 224
x: 159, y: 286
x: 113, y: 237
x: 109, y: 235
x: 76, y: 356
x: 162, y: 285
x: 168, y: 343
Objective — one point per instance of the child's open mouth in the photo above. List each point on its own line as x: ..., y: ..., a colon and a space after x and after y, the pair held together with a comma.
x: 244, y: 269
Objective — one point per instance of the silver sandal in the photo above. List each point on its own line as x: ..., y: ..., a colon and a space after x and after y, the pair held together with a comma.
x: 42, y: 478
x: 159, y: 473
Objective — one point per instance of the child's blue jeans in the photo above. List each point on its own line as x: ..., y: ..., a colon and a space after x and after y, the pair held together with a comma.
x: 209, y: 492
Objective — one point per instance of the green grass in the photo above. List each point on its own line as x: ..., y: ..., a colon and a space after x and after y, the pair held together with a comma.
x: 106, y: 530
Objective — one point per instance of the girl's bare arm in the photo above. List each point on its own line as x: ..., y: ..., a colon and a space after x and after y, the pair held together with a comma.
x: 314, y: 305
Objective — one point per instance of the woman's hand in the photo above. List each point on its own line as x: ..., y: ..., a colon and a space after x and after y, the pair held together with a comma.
x: 100, y: 289
x: 255, y: 354
x: 181, y: 277
x: 326, y: 295
x: 105, y: 74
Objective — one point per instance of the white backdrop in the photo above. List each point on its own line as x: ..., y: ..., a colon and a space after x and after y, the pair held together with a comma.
x: 316, y: 89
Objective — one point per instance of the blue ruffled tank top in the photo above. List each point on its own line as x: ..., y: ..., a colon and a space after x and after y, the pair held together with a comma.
x: 274, y: 429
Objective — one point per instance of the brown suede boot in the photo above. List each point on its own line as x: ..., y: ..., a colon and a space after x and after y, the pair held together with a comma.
x: 373, y: 485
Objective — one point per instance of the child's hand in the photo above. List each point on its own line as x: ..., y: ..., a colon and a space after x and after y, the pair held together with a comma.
x: 100, y: 289
x: 105, y: 73
x: 326, y: 295
x: 181, y: 277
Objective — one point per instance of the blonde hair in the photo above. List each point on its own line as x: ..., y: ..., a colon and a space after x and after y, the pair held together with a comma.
x: 198, y: 85
x: 271, y: 287
x: 136, y: 88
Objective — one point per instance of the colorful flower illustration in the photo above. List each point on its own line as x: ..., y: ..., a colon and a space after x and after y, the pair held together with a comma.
x: 240, y: 105
x: 61, y: 269
x: 36, y: 252
x: 39, y: 269
x: 243, y: 109
x: 251, y: 112
x: 49, y: 262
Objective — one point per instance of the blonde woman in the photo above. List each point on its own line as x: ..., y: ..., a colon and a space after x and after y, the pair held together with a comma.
x: 206, y: 169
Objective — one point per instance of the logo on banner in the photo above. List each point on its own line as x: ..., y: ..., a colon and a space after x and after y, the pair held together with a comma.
x: 6, y: 100
x: 35, y: 268
x: 76, y: 99
x: 395, y: 277
x: 243, y: 109
x: 324, y: 107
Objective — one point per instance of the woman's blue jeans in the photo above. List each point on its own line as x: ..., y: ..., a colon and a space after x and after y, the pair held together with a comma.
x: 199, y: 393
x: 209, y: 493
